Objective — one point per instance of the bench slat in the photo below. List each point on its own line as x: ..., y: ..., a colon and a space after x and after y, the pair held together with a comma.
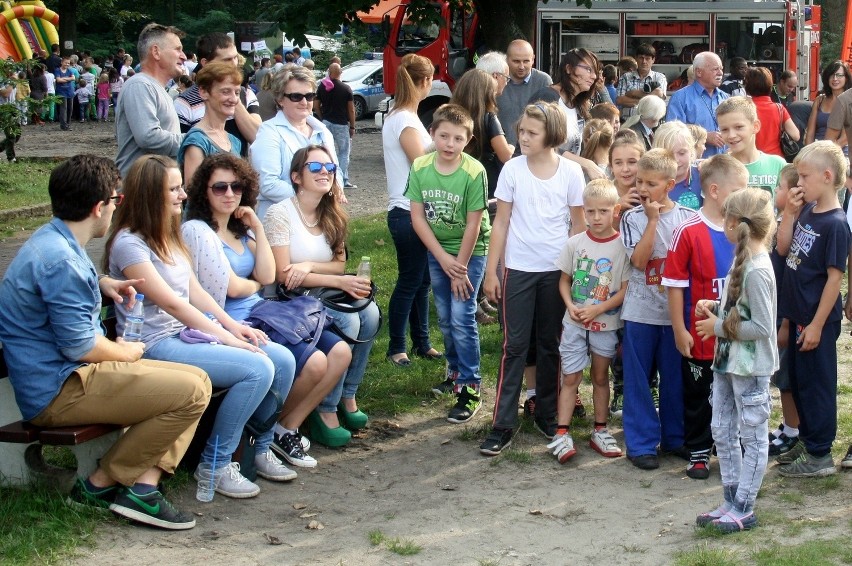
x: 19, y: 433
x: 73, y: 435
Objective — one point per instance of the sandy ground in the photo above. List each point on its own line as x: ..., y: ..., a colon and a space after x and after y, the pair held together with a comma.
x: 421, y: 479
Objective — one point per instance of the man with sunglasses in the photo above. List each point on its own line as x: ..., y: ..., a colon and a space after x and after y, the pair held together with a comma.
x: 145, y: 118
x: 190, y: 107
x: 635, y: 85
x: 64, y: 372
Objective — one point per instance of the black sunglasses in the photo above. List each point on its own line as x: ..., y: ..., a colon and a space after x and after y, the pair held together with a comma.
x: 316, y: 167
x: 298, y: 96
x: 221, y: 188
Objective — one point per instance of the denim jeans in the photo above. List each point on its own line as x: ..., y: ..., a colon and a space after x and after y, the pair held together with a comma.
x: 741, y: 407
x: 65, y: 108
x: 343, y: 143
x: 409, y: 302
x: 360, y: 325
x: 457, y: 319
x: 246, y: 375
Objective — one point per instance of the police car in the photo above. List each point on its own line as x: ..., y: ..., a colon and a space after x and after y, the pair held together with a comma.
x: 365, y: 79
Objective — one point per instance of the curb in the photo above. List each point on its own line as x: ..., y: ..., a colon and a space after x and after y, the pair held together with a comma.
x: 25, y: 212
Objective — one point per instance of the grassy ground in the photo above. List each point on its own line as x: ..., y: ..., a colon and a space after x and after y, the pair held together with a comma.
x: 24, y: 183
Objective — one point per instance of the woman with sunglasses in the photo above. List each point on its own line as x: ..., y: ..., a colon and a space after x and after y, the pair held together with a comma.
x: 836, y: 79
x: 219, y: 87
x: 293, y: 127
x: 307, y: 233
x: 579, y: 80
x: 145, y: 243
x: 404, y: 139
x: 233, y: 262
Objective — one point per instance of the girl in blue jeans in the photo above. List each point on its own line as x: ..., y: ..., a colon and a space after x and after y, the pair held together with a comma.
x: 746, y: 356
x: 145, y: 244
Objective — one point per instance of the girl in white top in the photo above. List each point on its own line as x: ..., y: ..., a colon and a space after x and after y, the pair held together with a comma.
x: 539, y: 202
x: 404, y: 139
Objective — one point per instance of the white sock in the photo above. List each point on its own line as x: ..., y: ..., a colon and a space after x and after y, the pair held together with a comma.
x: 280, y: 430
x: 790, y: 431
x: 530, y: 393
x: 777, y: 432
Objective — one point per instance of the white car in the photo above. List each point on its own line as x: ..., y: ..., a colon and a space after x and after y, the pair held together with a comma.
x: 365, y: 78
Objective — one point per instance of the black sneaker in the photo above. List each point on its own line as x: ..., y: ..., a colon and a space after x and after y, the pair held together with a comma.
x: 150, y: 509
x: 645, y: 461
x: 467, y: 405
x: 699, y: 466
x: 529, y: 408
x: 546, y: 426
x: 289, y: 447
x: 785, y: 445
x: 80, y: 496
x: 496, y: 441
x: 579, y: 408
x: 448, y: 385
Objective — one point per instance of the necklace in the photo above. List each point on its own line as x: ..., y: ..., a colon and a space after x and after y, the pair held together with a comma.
x: 302, y: 215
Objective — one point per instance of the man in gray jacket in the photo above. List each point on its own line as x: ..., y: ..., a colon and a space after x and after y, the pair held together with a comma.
x: 524, y: 80
x: 145, y: 117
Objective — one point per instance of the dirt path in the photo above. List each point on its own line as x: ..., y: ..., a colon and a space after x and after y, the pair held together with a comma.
x: 420, y: 479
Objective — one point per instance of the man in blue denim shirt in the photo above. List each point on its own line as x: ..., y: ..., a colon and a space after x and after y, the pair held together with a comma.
x: 65, y: 372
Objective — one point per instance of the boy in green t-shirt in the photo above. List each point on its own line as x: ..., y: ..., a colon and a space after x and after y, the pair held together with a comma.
x: 738, y: 124
x: 449, y: 194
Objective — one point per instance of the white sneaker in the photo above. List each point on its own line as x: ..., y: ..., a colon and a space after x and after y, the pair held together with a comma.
x: 562, y: 447
x: 270, y: 467
x: 603, y: 442
x: 230, y: 482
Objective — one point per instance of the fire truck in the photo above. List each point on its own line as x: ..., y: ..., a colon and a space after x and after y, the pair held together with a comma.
x: 779, y: 35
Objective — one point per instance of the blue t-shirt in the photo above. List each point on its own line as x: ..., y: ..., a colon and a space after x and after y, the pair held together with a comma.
x: 198, y: 138
x: 687, y: 193
x: 239, y: 308
x: 820, y: 240
x: 65, y: 90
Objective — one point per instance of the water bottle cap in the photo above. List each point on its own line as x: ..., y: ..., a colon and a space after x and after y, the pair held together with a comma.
x: 140, y: 297
x: 365, y: 258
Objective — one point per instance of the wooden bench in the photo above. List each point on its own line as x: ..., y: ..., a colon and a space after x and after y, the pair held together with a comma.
x: 21, y: 443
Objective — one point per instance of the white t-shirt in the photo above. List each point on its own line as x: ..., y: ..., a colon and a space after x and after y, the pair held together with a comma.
x: 541, y: 217
x: 283, y: 227
x: 397, y: 165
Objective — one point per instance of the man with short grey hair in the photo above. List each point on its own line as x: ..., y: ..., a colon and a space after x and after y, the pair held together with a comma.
x: 697, y: 103
x: 524, y: 80
x: 145, y: 118
x: 494, y: 63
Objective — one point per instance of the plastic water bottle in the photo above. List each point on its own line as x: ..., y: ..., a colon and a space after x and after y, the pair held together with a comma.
x: 364, y: 268
x: 135, y: 320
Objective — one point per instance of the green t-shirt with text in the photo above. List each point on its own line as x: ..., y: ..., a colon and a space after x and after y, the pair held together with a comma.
x: 763, y: 173
x: 448, y: 198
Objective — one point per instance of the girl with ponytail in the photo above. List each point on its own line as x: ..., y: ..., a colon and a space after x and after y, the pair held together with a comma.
x: 746, y: 356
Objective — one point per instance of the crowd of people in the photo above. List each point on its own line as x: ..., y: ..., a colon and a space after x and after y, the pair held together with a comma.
x: 688, y: 259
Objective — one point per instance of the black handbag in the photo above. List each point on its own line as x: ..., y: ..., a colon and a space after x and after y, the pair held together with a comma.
x: 335, y: 299
x: 789, y: 146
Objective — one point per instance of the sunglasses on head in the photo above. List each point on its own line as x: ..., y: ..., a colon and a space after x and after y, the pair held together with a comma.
x: 316, y: 167
x: 221, y: 187
x: 298, y: 96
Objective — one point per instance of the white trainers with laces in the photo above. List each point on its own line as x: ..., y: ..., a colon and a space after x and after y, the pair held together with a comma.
x: 603, y: 442
x: 271, y: 468
x: 562, y: 447
x: 231, y: 483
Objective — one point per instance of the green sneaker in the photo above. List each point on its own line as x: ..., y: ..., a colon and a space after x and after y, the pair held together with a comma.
x: 792, y: 455
x: 80, y: 496
x: 808, y: 466
x: 467, y: 405
x: 150, y: 509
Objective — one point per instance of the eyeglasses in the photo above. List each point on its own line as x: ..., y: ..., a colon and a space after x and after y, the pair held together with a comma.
x: 298, y: 96
x: 316, y: 167
x: 117, y: 199
x: 587, y: 68
x: 839, y: 76
x: 504, y: 75
x: 220, y: 188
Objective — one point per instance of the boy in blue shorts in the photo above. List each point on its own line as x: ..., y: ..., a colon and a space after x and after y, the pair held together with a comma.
x: 595, y: 271
x: 646, y: 232
x: 815, y: 238
x: 449, y: 195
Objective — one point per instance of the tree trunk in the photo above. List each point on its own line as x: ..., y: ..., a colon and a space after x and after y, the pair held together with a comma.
x: 505, y: 20
x: 67, y: 11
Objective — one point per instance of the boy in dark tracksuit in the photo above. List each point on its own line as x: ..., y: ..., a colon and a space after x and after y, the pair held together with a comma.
x: 816, y: 239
